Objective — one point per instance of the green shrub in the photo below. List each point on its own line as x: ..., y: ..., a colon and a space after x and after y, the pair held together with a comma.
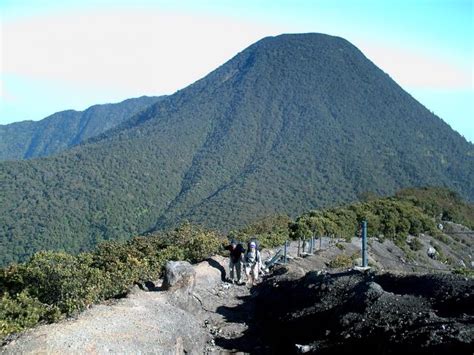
x: 393, y: 218
x: 340, y: 246
x: 415, y: 244
x: 464, y: 272
x: 340, y: 261
x: 52, y: 285
x: 54, y: 278
x: 443, y: 238
x: 121, y: 267
x: 196, y: 242
x: 355, y: 256
x: 270, y: 231
x: 271, y: 240
x: 23, y: 311
x: 171, y: 252
x: 439, y: 202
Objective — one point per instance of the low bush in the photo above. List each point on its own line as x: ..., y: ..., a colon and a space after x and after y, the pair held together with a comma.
x: 340, y: 246
x: 53, y: 285
x: 270, y: 231
x: 390, y: 217
x: 415, y: 244
x: 341, y: 261
x: 464, y: 272
x: 23, y: 311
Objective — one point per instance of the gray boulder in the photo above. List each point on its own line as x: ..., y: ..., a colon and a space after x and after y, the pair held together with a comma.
x: 180, y: 281
x: 432, y: 252
x: 179, y: 275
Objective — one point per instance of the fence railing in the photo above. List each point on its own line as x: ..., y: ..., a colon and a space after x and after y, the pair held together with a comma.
x: 307, y: 247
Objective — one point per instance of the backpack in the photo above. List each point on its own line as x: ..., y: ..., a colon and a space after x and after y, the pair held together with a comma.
x: 253, y: 240
x: 250, y: 257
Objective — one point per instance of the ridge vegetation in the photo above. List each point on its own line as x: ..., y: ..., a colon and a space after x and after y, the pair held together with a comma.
x: 53, y: 285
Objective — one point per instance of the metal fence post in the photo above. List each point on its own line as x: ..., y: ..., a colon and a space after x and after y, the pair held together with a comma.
x: 285, y: 252
x: 364, y: 244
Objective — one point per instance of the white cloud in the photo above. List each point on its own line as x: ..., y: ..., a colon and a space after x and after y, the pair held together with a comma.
x: 138, y: 52
x: 134, y: 52
x: 418, y: 69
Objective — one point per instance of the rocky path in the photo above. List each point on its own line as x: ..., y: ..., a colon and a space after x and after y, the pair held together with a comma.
x: 144, y: 322
x: 197, y: 317
x: 228, y: 322
x: 228, y: 312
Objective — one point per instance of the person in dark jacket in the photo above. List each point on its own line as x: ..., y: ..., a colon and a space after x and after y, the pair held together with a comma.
x: 235, y: 261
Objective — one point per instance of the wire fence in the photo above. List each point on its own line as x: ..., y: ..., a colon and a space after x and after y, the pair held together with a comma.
x: 305, y: 248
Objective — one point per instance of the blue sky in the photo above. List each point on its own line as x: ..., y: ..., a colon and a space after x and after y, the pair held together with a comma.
x: 57, y: 55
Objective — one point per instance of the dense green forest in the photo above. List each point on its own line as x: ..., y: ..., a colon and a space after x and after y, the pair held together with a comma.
x: 52, y: 285
x: 62, y: 130
x: 292, y: 123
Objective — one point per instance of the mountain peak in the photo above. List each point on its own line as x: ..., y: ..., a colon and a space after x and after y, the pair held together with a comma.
x: 300, y: 39
x: 293, y: 122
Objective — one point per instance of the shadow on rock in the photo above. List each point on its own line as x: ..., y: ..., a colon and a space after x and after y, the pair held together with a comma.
x: 215, y: 264
x: 249, y: 341
x: 150, y: 286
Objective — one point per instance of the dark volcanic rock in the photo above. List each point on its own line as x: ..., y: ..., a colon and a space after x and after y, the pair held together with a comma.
x: 355, y: 312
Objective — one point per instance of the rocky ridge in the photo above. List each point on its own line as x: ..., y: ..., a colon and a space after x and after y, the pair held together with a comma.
x: 304, y: 306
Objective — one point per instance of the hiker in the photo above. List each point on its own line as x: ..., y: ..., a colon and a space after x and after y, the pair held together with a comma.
x: 235, y: 261
x: 252, y: 263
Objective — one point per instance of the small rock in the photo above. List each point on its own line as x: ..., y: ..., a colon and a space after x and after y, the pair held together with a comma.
x: 302, y: 349
x: 431, y: 252
x: 374, y: 291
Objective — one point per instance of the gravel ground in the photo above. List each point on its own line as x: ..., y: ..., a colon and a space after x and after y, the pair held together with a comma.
x: 144, y: 322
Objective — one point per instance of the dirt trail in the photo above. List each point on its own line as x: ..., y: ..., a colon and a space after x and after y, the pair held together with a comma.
x: 202, y: 321
x: 144, y: 322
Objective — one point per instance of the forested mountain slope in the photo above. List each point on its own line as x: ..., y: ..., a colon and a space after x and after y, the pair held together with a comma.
x: 293, y: 122
x: 62, y: 130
